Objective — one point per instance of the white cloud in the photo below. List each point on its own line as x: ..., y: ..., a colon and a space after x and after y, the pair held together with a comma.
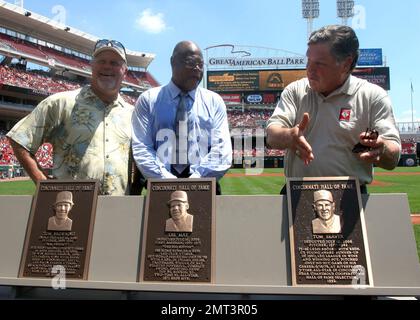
x: 151, y: 23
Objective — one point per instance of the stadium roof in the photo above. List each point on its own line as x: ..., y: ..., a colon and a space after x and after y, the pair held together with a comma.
x: 47, y: 29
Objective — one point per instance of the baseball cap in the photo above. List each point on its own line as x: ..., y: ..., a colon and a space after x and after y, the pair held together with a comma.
x: 178, y: 196
x: 64, y: 196
x: 323, y: 195
x: 112, y: 45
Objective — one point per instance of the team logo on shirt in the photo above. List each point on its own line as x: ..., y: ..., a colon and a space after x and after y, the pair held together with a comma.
x: 345, y: 114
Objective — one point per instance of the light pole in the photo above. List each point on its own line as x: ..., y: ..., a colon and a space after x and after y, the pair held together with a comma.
x: 310, y: 11
x: 412, y: 106
x: 345, y: 10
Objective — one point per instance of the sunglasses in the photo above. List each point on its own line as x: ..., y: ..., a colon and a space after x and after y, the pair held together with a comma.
x: 110, y: 43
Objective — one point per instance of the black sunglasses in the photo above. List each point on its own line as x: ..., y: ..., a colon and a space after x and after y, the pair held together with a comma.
x: 110, y: 43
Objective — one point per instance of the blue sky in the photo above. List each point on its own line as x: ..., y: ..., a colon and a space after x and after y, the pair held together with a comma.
x: 155, y: 26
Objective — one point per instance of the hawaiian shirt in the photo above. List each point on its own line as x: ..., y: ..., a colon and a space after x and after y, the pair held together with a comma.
x: 91, y: 140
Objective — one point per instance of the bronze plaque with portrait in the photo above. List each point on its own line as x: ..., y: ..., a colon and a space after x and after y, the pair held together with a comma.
x: 59, y: 232
x: 328, y: 240
x: 178, y: 231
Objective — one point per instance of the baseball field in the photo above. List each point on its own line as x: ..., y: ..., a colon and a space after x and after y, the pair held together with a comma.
x: 270, y: 181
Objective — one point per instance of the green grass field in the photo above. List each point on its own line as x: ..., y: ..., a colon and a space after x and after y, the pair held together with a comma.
x: 236, y: 183
x: 259, y: 184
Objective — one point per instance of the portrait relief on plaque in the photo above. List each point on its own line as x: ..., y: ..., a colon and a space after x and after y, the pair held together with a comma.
x: 60, y: 221
x: 178, y: 231
x: 60, y: 229
x: 180, y: 220
x: 326, y: 221
x: 328, y: 238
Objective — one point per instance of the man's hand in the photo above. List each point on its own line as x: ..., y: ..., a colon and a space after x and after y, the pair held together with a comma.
x: 279, y: 137
x: 375, y: 147
x: 299, y: 144
x: 368, y: 135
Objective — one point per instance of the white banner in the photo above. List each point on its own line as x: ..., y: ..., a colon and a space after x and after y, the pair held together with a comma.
x: 258, y: 62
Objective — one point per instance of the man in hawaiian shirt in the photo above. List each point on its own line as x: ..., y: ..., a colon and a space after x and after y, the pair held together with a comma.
x: 89, y: 128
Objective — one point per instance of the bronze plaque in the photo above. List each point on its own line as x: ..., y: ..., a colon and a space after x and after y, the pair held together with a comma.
x: 59, y: 231
x: 327, y: 232
x: 178, y: 232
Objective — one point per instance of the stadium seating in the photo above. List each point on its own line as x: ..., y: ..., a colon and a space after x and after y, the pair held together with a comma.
x: 20, y: 45
x: 52, y: 57
x: 7, y: 156
x: 44, y: 157
x: 35, y: 81
x: 250, y: 118
x: 42, y: 83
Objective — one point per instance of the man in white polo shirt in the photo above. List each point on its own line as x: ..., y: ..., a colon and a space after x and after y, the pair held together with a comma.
x: 319, y: 119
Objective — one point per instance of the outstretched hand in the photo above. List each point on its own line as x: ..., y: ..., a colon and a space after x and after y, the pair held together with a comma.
x: 299, y: 144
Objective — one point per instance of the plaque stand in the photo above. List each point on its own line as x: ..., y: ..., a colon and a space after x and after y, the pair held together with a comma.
x: 252, y: 251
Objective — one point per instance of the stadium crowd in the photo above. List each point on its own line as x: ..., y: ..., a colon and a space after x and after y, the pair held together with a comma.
x: 34, y: 80
x: 42, y: 83
x: 250, y: 118
x: 9, y: 165
x: 54, y: 57
x: 409, y: 146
